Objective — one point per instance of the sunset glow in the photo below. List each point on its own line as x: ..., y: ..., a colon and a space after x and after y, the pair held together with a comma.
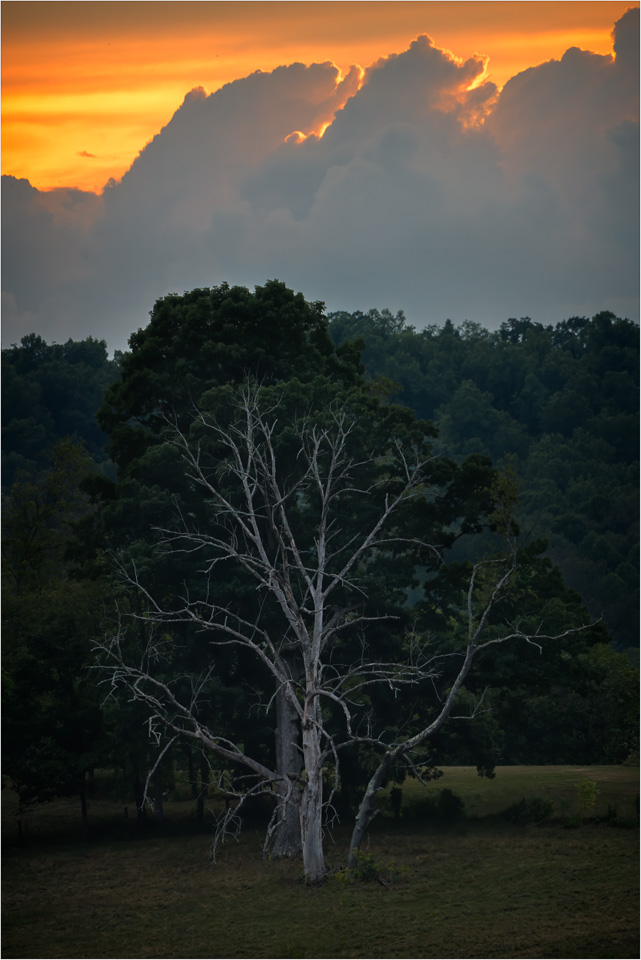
x: 87, y: 85
x: 298, y: 136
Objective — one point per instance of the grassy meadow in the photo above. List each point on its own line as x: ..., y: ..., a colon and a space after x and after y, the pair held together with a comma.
x: 474, y: 887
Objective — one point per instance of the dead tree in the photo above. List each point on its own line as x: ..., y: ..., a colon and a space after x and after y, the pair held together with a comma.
x: 312, y: 572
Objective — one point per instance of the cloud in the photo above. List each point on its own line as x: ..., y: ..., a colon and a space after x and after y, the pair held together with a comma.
x: 84, y: 153
x: 570, y: 129
x: 428, y: 191
x: 47, y: 278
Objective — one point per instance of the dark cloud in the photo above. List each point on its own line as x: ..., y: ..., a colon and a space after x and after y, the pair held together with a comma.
x: 626, y: 42
x: 47, y: 278
x: 406, y: 201
x: 84, y: 153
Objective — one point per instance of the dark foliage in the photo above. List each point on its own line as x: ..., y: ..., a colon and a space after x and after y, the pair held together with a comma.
x: 51, y: 391
x: 563, y: 401
x: 557, y: 405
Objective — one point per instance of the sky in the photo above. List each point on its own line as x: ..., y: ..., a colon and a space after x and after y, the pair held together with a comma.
x: 451, y: 160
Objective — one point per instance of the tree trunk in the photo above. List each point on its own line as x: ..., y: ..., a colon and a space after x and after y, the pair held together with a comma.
x: 311, y: 808
x: 187, y: 750
x: 83, y: 807
x: 204, y: 788
x: 289, y: 764
x: 366, y: 811
x: 159, y: 813
x: 139, y: 795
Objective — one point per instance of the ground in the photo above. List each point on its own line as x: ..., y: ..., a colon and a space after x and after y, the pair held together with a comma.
x: 475, y: 888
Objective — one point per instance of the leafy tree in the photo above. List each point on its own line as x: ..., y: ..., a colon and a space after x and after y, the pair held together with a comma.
x: 318, y: 511
x: 194, y: 344
x: 49, y: 392
x: 564, y: 400
x: 50, y: 704
x: 208, y: 337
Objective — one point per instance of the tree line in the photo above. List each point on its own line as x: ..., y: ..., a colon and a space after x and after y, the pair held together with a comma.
x: 563, y: 401
x: 282, y: 579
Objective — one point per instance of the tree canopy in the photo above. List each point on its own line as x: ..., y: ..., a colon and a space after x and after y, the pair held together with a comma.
x: 562, y: 400
x: 553, y: 406
x: 49, y: 392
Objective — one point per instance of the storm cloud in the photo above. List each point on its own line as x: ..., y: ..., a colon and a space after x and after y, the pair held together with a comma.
x: 428, y: 191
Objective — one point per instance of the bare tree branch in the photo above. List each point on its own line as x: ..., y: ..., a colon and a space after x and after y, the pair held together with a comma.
x: 283, y: 526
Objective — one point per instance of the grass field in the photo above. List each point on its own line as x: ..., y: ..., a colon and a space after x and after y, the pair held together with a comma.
x: 618, y: 787
x: 478, y: 888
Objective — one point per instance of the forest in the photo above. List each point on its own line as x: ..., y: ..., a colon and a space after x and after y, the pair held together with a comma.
x: 297, y: 557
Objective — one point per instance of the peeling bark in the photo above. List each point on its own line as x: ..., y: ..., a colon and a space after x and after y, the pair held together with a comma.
x: 289, y: 764
x: 311, y: 811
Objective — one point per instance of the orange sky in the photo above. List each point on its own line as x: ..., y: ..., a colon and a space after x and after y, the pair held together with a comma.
x: 86, y: 84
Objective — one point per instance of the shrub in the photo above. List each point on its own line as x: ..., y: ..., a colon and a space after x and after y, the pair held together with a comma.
x: 395, y: 800
x: 572, y: 823
x: 446, y: 808
x: 587, y: 791
x: 424, y: 809
x: 624, y: 823
x: 529, y: 810
x: 611, y: 813
x: 369, y: 870
x: 449, y: 806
